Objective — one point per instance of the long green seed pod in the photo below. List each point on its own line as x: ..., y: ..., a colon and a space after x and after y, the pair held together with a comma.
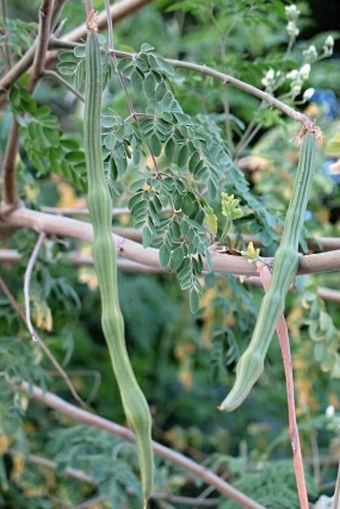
x: 251, y: 363
x: 104, y: 257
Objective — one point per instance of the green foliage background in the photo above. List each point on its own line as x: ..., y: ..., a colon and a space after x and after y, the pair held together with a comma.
x: 184, y: 362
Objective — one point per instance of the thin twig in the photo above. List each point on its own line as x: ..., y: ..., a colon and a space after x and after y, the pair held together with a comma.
x: 91, y: 502
x: 52, y: 401
x: 246, y: 87
x: 316, y: 454
x: 226, y: 107
x: 226, y: 79
x: 242, y: 85
x: 192, y: 501
x: 75, y: 473
x: 282, y: 332
x: 248, y: 139
x: 25, y: 317
x: 56, y: 43
x: 336, y: 502
x: 35, y: 336
x: 5, y: 38
x: 65, y: 83
x: 41, y: 344
x: 45, y: 18
x: 225, y: 96
x: 27, y: 280
x: 88, y: 6
x: 94, y: 373
x: 242, y: 142
x: 112, y: 54
x: 326, y: 294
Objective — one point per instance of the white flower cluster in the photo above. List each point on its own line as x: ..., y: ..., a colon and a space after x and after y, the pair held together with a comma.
x: 311, y: 54
x: 270, y: 81
x: 292, y: 13
x: 292, y: 30
x: 328, y: 46
x: 297, y: 78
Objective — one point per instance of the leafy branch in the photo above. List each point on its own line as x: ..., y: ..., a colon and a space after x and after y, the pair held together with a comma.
x: 52, y: 401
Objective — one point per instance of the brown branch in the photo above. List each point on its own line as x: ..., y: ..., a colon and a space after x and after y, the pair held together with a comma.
x: 8, y: 166
x: 82, y: 476
x: 282, y: 332
x: 241, y: 85
x: 16, y: 72
x: 40, y: 49
x: 246, y: 87
x: 57, y: 8
x: 327, y: 294
x: 230, y: 264
x: 224, y: 78
x: 119, y: 11
x: 25, y: 62
x: 83, y: 211
x: 5, y: 46
x: 125, y: 8
x: 81, y: 260
x: 52, y: 401
x: 315, y: 243
x: 75, y: 473
x: 45, y: 19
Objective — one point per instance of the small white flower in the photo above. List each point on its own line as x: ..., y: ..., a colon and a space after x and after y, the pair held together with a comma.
x: 265, y: 83
x: 328, y: 46
x: 269, y: 80
x: 270, y: 74
x: 292, y: 29
x: 292, y: 12
x: 296, y: 89
x: 330, y: 411
x: 292, y: 75
x: 305, y: 71
x: 308, y: 94
x: 310, y: 54
x: 329, y: 42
